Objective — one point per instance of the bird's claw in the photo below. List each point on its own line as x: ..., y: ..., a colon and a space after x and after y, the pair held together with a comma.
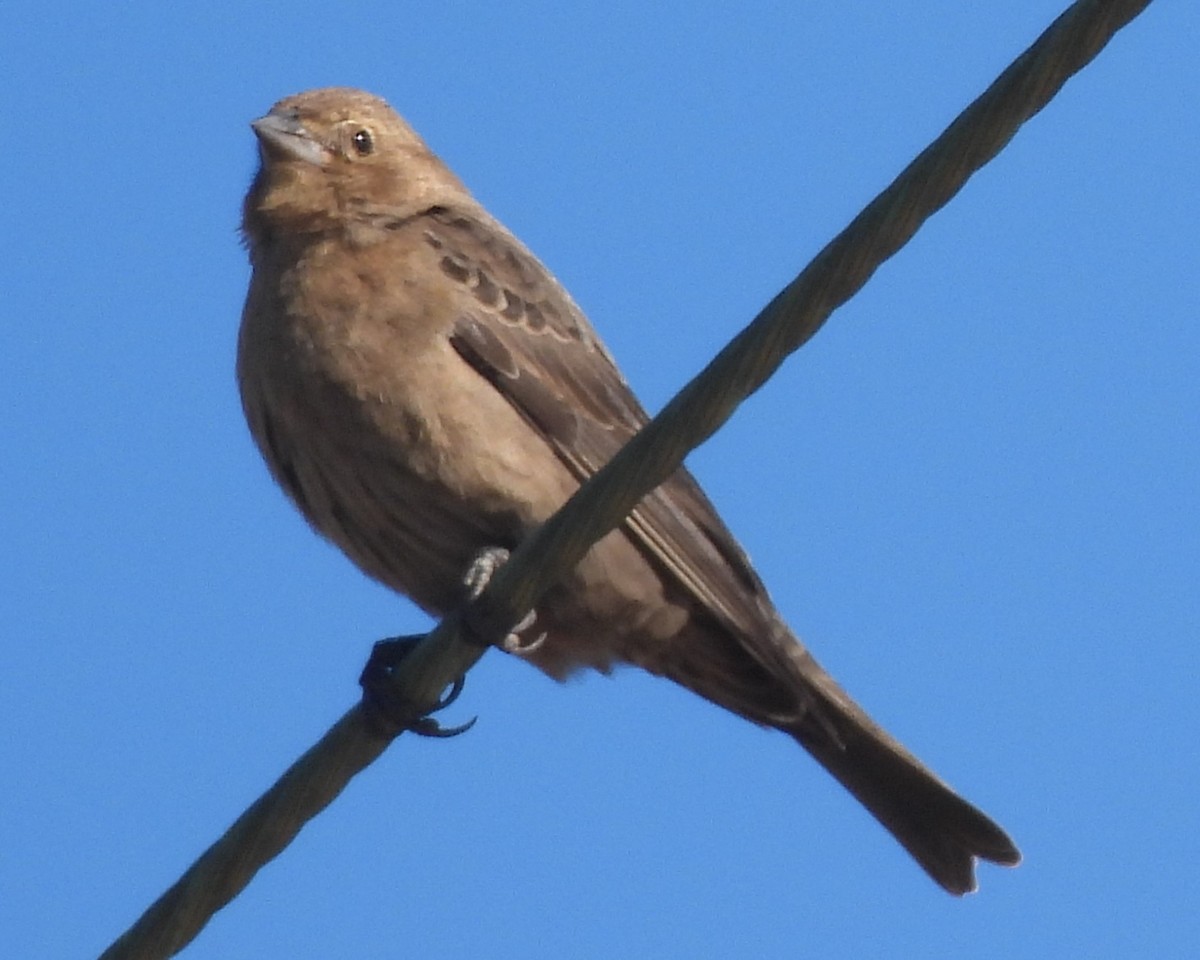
x: 391, y: 712
x: 481, y: 571
x: 483, y: 567
x: 516, y: 643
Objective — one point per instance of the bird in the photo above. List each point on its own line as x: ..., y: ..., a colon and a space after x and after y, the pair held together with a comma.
x: 424, y: 389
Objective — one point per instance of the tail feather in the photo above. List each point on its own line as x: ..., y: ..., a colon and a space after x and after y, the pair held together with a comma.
x: 787, y: 689
x: 944, y: 833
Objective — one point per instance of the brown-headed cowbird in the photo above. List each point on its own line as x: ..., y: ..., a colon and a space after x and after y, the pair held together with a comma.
x: 423, y: 389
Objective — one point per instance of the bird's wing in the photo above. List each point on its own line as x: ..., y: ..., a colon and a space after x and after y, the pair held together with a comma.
x: 521, y: 331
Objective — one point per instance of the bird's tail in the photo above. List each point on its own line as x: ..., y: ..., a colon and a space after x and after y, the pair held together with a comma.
x: 782, y: 686
x: 943, y: 832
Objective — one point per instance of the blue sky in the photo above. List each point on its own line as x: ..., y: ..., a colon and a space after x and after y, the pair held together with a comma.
x: 975, y: 494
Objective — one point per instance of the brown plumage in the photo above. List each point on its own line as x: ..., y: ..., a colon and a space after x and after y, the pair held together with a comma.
x: 422, y: 388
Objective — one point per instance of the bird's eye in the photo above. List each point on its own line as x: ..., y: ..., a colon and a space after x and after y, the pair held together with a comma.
x: 363, y: 142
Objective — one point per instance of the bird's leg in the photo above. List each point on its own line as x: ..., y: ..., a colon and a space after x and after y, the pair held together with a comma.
x: 482, y: 568
x: 387, y: 708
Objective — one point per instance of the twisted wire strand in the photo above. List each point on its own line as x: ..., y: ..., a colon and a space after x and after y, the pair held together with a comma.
x: 697, y: 411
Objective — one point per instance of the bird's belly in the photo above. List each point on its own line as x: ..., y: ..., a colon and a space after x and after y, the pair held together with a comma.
x: 440, y: 474
x: 412, y: 479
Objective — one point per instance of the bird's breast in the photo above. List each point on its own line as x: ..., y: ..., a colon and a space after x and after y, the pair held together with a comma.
x: 390, y: 444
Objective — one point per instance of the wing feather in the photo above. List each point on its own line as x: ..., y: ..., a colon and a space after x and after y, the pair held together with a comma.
x: 525, y: 335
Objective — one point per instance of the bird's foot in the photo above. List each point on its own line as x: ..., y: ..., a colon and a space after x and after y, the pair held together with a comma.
x: 481, y: 571
x: 388, y: 710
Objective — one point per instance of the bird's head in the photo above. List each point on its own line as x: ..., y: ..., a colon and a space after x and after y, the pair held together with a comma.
x: 339, y: 154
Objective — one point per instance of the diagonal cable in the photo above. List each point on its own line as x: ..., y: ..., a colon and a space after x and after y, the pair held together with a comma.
x: 697, y: 411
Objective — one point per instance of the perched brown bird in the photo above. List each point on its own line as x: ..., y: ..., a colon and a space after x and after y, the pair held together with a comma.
x: 423, y: 388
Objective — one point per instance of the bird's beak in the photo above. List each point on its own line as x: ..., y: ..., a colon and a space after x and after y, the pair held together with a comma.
x: 286, y: 135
